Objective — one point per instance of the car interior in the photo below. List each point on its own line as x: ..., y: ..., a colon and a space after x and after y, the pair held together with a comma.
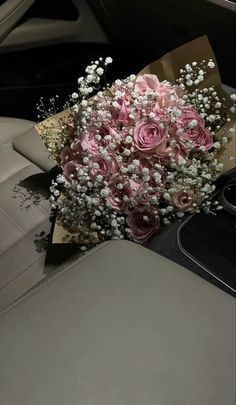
x: 122, y: 323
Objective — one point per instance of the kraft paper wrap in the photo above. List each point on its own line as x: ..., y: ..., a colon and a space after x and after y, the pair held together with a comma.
x: 166, y: 68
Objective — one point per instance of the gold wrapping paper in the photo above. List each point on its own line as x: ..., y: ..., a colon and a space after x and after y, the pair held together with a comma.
x: 166, y: 68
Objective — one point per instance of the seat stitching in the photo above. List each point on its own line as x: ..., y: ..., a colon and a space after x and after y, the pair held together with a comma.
x: 9, y: 281
x: 53, y: 278
x: 25, y: 235
x: 29, y: 164
x: 12, y: 221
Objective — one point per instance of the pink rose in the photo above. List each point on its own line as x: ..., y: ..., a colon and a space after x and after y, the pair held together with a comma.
x: 117, y: 195
x: 135, y: 187
x: 176, y: 153
x: 121, y: 113
x: 66, y: 155
x: 183, y: 199
x: 142, y: 224
x: 191, y: 128
x: 70, y: 170
x: 98, y: 165
x: 143, y: 162
x: 150, y: 137
x: 107, y: 130
x: 124, y: 112
x: 146, y: 82
x: 76, y: 145
x: 167, y: 97
x: 77, y: 150
x: 156, y: 185
x: 89, y: 141
x: 72, y: 152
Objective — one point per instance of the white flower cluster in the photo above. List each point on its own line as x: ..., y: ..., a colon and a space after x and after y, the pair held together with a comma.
x: 94, y: 72
x: 193, y: 74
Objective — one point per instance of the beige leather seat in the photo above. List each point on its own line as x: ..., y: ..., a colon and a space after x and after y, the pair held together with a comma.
x: 121, y: 326
x: 24, y: 206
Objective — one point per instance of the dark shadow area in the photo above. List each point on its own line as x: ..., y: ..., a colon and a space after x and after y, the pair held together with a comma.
x: 41, y: 242
x: 139, y: 32
x: 165, y: 243
x: 152, y: 28
x: 204, y: 244
x: 27, y: 75
x: 53, y: 9
x: 32, y: 190
x: 209, y: 241
x: 57, y: 253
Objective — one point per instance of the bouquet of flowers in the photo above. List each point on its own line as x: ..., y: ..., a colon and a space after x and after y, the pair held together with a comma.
x: 138, y: 153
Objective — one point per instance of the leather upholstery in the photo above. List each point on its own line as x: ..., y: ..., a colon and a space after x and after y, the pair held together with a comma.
x: 122, y: 325
x: 24, y: 205
x: 11, y: 127
x: 30, y: 145
x: 10, y: 163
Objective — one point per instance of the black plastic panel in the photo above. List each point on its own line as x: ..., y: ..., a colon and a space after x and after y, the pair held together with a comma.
x: 153, y: 28
x: 53, y: 9
x: 27, y: 75
x: 210, y: 242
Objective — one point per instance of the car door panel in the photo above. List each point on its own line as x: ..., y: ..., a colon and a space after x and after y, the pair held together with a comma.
x: 11, y: 12
x: 34, y: 32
